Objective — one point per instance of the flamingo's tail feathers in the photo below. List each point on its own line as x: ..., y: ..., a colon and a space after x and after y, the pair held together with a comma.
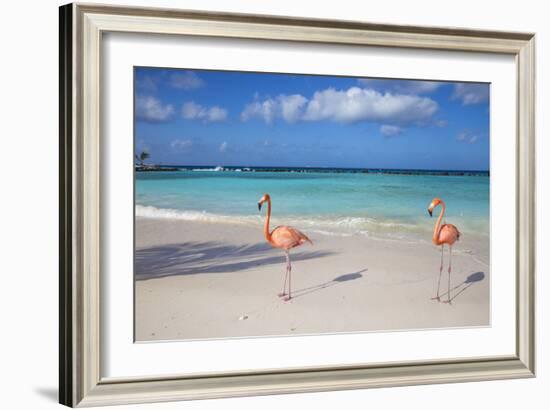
x: 305, y: 238
x: 458, y: 233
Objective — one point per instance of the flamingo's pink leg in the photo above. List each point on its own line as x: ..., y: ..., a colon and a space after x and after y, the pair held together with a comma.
x: 289, y: 279
x: 439, y: 280
x: 449, y: 281
x: 289, y: 268
x: 283, y: 292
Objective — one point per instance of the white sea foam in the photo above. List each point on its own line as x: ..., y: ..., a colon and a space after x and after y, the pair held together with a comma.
x: 344, y: 226
x: 199, y: 216
x: 329, y: 233
x: 217, y: 169
x: 333, y: 226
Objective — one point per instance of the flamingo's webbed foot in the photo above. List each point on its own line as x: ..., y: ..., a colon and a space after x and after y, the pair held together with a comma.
x: 281, y: 294
x: 448, y: 301
x: 436, y: 298
x: 287, y: 298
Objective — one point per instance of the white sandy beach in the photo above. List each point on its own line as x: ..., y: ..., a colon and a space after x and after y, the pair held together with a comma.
x: 205, y: 280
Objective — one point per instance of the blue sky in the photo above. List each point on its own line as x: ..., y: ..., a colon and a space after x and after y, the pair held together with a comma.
x: 198, y: 117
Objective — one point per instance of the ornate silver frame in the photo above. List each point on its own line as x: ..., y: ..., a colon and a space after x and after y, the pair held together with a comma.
x: 81, y: 29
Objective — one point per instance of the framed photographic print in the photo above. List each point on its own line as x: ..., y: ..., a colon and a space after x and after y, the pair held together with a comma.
x: 259, y: 205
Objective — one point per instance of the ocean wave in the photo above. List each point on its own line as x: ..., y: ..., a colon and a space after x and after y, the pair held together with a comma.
x: 199, y: 216
x: 217, y: 169
x: 354, y: 224
x: 343, y: 226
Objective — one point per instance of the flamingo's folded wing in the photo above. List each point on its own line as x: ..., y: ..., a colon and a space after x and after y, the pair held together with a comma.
x: 288, y: 237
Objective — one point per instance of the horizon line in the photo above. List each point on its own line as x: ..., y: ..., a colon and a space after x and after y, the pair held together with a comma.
x: 320, y: 167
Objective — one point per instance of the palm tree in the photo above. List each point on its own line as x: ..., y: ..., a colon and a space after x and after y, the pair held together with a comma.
x: 142, y: 157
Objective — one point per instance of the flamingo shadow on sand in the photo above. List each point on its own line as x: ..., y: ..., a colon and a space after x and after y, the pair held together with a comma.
x: 338, y: 280
x: 461, y: 287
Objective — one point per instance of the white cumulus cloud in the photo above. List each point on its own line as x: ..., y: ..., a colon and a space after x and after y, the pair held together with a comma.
x: 288, y: 107
x: 467, y: 137
x: 352, y: 105
x: 186, y: 80
x: 471, y: 93
x: 401, y: 86
x: 359, y: 104
x: 151, y: 109
x: 223, y: 146
x: 194, y: 111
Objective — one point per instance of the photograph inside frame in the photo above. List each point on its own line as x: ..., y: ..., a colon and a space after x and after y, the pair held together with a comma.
x: 271, y: 204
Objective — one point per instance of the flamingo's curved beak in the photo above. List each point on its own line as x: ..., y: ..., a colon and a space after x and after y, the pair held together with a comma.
x: 430, y: 212
x: 259, y: 206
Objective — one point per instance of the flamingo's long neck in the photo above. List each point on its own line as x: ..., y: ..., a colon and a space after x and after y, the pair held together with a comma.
x: 437, y: 227
x: 267, y: 234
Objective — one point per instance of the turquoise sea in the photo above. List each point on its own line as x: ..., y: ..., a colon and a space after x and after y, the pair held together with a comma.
x: 386, y: 203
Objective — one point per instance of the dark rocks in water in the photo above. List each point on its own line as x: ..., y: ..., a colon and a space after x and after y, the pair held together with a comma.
x: 164, y: 168
x: 154, y: 168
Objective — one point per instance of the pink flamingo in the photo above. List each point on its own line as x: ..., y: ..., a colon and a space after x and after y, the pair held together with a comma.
x: 443, y: 234
x: 282, y: 237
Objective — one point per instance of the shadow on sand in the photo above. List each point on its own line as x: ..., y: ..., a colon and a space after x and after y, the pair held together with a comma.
x: 461, y: 287
x: 339, y: 279
x: 193, y: 258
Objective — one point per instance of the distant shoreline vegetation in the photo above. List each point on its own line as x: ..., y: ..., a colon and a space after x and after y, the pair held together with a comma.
x: 156, y: 168
x: 210, y: 168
